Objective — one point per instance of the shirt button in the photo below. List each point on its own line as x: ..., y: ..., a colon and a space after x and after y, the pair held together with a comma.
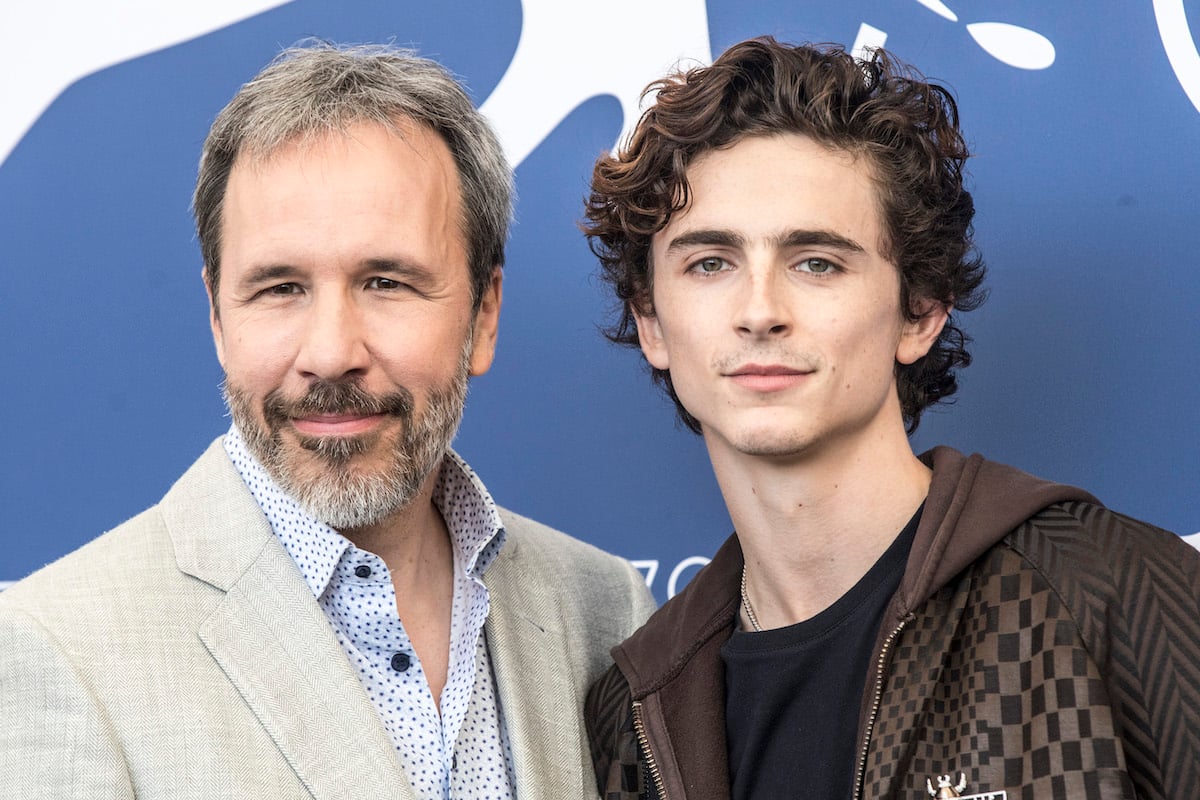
x: 362, y: 571
x: 454, y: 761
x: 401, y: 662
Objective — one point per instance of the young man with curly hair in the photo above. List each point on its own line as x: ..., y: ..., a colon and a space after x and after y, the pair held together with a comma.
x: 790, y: 239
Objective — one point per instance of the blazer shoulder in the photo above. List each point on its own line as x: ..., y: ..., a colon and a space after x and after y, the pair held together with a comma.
x: 534, y: 540
x: 596, y: 581
x: 139, y: 551
x: 119, y: 556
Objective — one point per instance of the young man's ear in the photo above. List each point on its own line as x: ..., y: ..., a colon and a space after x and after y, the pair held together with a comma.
x: 650, y: 336
x: 918, y: 336
x: 214, y: 318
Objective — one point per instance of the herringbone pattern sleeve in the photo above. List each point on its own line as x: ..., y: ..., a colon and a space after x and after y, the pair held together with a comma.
x: 55, y: 742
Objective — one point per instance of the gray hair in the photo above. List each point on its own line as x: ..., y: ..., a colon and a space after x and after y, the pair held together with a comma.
x: 321, y: 88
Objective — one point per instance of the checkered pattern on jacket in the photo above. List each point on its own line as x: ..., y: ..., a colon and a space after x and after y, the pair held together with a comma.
x: 1064, y: 663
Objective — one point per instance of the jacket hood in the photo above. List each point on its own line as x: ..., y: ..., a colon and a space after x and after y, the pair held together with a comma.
x: 972, y: 504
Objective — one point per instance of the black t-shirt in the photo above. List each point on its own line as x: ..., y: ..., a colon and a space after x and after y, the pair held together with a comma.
x: 793, y: 694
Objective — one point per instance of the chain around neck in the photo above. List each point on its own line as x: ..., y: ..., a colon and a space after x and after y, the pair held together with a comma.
x: 750, y: 615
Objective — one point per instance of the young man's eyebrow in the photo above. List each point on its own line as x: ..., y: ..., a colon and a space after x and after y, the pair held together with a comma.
x: 819, y: 238
x: 725, y: 238
x: 792, y: 238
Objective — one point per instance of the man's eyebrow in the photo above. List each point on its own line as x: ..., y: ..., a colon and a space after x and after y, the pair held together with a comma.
x: 819, y: 238
x: 793, y: 238
x: 395, y: 266
x: 268, y: 273
x: 724, y: 238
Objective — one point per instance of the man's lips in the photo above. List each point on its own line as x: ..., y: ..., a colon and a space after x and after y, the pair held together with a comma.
x: 767, y: 377
x: 336, y: 424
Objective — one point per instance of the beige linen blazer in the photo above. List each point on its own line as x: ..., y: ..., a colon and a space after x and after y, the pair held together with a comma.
x: 182, y: 655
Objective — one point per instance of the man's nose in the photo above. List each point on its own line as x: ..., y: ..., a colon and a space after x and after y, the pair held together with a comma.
x: 763, y: 308
x: 332, y: 345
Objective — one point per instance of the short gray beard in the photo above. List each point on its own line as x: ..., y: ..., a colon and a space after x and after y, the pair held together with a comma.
x: 339, y: 495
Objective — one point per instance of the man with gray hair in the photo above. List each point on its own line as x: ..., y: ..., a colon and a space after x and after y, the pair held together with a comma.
x: 328, y: 603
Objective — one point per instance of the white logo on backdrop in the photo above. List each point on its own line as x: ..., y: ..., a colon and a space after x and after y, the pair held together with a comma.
x: 650, y: 567
x: 563, y: 58
x: 53, y: 43
x: 1180, y: 45
x: 667, y: 35
x: 567, y: 55
x: 1010, y: 44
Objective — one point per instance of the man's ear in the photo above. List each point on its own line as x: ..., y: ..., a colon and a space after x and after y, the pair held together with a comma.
x: 918, y: 336
x: 650, y: 336
x: 214, y: 318
x: 487, y: 325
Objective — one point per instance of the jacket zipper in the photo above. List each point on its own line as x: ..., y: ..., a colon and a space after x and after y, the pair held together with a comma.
x: 639, y: 728
x: 875, y: 703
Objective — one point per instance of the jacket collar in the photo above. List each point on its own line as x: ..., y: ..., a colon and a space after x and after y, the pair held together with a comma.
x: 274, y: 644
x: 272, y: 641
x: 705, y: 609
x: 972, y: 504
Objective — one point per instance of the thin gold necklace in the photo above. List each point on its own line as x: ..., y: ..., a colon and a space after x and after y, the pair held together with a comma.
x: 750, y: 615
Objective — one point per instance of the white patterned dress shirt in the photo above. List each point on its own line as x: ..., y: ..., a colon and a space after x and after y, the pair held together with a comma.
x: 463, y: 752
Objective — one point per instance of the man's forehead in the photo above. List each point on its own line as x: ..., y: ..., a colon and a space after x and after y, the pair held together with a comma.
x: 269, y: 147
x: 361, y: 194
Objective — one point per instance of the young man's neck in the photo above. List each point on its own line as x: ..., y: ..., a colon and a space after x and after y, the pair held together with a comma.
x: 812, y: 525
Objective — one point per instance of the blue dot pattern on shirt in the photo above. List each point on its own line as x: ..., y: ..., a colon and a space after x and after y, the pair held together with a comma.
x: 464, y: 752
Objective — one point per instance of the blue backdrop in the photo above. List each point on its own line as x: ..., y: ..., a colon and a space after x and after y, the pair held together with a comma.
x: 1085, y: 119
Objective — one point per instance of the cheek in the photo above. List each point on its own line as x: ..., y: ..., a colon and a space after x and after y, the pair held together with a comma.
x: 865, y: 350
x: 690, y: 347
x: 258, y: 359
x: 419, y: 353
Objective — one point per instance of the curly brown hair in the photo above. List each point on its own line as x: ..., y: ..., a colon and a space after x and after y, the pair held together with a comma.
x: 880, y: 109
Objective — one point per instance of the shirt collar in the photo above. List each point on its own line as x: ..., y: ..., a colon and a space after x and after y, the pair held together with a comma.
x: 470, y: 514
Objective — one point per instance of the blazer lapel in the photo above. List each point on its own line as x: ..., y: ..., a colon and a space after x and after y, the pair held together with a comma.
x: 272, y: 640
x: 536, y: 681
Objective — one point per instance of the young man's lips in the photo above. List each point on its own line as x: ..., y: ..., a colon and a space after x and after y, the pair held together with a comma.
x: 336, y: 424
x: 767, y: 378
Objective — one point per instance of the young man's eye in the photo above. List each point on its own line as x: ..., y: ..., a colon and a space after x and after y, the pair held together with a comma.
x: 383, y: 283
x: 710, y: 265
x: 816, y: 266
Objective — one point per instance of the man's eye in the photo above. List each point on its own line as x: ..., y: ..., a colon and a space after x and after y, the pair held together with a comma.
x: 709, y: 265
x: 284, y: 289
x: 816, y: 266
x: 383, y: 283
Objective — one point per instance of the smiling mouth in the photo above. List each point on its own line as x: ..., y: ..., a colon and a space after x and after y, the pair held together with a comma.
x: 767, y: 378
x: 336, y: 424
x: 335, y: 410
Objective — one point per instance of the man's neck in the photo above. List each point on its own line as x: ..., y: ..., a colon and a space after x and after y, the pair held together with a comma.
x: 811, y: 526
x: 409, y: 537
x: 415, y: 544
